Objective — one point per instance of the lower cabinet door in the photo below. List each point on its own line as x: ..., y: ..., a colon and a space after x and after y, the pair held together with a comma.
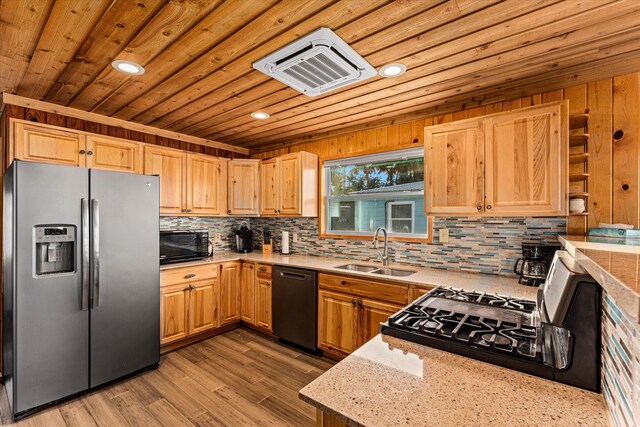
x: 229, y: 292
x: 247, y: 293
x: 372, y: 313
x: 263, y: 304
x: 203, y: 310
x: 173, y: 313
x: 337, y: 322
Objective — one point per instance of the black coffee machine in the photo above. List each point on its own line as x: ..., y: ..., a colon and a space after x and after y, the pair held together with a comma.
x: 534, y: 264
x: 244, y: 238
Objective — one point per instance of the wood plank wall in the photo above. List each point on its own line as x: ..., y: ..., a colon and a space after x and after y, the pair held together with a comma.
x: 16, y: 112
x: 614, y: 109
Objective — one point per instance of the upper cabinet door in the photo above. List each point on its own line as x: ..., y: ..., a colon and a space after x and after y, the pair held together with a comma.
x: 104, y: 152
x: 169, y: 164
x: 454, y: 156
x: 526, y: 161
x: 206, y: 185
x: 40, y: 143
x: 243, y: 190
x: 290, y: 191
x: 270, y: 187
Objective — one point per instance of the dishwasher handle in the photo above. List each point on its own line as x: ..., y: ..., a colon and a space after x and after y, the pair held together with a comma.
x: 293, y: 276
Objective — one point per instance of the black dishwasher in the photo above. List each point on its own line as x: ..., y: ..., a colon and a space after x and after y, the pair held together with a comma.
x: 295, y: 306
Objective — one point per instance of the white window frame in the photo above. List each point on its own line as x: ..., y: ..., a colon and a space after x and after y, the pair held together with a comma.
x: 390, y: 218
x: 365, y: 159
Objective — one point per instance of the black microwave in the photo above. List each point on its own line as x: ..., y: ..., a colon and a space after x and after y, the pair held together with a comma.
x: 176, y: 246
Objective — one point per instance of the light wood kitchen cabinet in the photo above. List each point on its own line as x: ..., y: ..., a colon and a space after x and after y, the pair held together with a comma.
x: 263, y: 304
x: 243, y: 187
x: 289, y: 185
x: 270, y: 186
x: 525, y: 171
x: 371, y: 314
x: 454, y: 154
x: 169, y: 164
x: 107, y: 153
x: 205, y: 185
x: 48, y: 144
x: 506, y: 164
x: 337, y: 322
x: 174, y: 302
x: 229, y: 292
x: 248, y: 293
x: 416, y: 291
x: 203, y: 307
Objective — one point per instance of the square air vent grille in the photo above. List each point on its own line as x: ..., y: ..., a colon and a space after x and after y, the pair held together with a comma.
x: 317, y: 63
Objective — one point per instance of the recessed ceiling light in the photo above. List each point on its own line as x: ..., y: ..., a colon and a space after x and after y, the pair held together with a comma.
x: 392, y: 70
x: 128, y: 67
x: 260, y: 115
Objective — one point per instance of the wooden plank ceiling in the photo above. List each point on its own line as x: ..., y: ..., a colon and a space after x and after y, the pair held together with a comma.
x: 198, y: 56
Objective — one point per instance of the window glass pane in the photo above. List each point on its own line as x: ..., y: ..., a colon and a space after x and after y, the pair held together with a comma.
x: 401, y: 226
x: 380, y: 177
x: 401, y: 211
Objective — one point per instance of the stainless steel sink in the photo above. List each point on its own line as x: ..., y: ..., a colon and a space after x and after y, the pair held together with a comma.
x: 358, y: 267
x: 393, y: 272
x: 377, y: 270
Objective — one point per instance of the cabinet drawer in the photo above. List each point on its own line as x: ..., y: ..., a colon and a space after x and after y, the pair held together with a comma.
x: 188, y: 274
x: 264, y: 271
x: 364, y: 287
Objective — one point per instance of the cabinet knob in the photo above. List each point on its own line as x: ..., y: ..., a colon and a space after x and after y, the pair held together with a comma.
x: 229, y: 211
x: 263, y: 269
x: 250, y: 266
x: 489, y: 207
x: 353, y: 302
x: 90, y: 153
x: 479, y: 207
x: 344, y: 282
x: 190, y: 276
x: 187, y: 210
x: 83, y: 152
x: 359, y: 303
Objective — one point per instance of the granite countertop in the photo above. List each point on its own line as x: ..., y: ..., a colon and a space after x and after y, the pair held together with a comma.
x: 616, y: 267
x: 423, y: 276
x: 392, y: 382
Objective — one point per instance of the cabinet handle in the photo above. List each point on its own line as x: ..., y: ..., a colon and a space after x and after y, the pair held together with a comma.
x: 489, y: 207
x: 344, y: 282
x: 83, y: 152
x: 90, y: 153
x: 250, y: 266
x: 187, y: 210
x: 262, y: 269
x: 190, y: 276
x: 353, y: 302
x: 479, y: 207
x: 359, y: 303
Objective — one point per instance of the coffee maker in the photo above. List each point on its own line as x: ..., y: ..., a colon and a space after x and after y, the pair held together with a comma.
x: 244, y: 238
x: 534, y: 264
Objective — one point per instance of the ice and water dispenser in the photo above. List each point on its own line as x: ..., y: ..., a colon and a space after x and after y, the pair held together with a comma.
x: 55, y: 249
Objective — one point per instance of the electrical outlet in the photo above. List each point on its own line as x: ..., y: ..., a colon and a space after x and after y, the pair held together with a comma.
x: 294, y: 237
x: 217, y: 237
x: 443, y: 235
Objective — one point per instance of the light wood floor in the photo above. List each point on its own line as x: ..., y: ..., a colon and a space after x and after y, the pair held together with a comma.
x: 237, y: 378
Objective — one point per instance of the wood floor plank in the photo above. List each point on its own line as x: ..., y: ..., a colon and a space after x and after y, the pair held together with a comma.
x: 237, y: 378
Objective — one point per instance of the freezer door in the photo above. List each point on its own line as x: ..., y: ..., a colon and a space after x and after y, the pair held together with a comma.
x: 125, y: 280
x: 51, y: 329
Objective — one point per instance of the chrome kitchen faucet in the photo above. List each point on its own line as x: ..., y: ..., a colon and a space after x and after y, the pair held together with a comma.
x: 385, y: 253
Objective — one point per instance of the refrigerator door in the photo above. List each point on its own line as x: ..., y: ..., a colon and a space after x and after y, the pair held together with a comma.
x: 125, y: 280
x: 51, y: 328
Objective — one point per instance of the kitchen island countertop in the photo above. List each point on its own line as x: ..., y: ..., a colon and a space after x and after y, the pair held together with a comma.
x: 392, y: 382
x: 423, y: 276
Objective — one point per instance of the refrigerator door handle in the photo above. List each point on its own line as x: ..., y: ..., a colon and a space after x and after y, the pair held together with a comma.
x: 84, y: 290
x: 95, y: 211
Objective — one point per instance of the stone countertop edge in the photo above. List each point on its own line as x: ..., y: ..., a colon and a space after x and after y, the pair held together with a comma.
x: 375, y: 384
x: 424, y: 276
x: 624, y: 295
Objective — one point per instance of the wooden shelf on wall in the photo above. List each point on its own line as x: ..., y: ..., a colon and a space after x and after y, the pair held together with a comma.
x: 578, y: 121
x: 578, y: 139
x: 578, y: 195
x: 578, y: 177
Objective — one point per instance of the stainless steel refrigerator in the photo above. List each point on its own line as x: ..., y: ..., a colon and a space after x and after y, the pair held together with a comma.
x: 81, y: 280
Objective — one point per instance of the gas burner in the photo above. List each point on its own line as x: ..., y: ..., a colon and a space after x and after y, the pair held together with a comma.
x: 485, y: 299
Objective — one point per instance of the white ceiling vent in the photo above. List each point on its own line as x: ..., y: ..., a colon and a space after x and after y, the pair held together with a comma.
x: 317, y: 63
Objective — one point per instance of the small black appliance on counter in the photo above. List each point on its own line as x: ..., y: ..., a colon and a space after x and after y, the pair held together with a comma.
x: 534, y: 264
x: 244, y: 238
x: 556, y: 337
x: 183, y: 245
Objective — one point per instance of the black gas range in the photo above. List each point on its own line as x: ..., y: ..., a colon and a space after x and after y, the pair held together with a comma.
x: 556, y: 337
